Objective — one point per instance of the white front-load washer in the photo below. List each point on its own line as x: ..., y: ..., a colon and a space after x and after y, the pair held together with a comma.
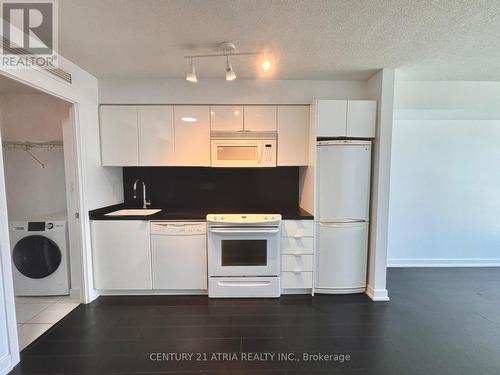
x: 39, y: 257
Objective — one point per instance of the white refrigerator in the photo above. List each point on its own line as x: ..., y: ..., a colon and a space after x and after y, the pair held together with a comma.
x: 343, y: 204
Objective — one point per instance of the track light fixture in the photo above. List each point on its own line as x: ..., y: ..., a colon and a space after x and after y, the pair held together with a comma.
x: 230, y: 74
x: 227, y: 51
x: 191, y: 76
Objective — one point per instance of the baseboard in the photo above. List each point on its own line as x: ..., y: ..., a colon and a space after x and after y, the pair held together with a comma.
x: 377, y: 294
x: 6, y: 365
x: 75, y: 293
x: 148, y: 292
x: 296, y: 291
x: 444, y: 262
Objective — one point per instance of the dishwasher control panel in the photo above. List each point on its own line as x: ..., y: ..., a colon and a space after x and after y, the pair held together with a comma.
x: 178, y: 228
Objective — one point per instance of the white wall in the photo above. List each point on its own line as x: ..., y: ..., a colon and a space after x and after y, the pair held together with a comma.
x: 33, y: 191
x: 218, y: 91
x: 445, y: 200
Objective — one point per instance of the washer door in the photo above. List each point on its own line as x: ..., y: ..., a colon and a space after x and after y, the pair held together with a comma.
x: 36, y: 256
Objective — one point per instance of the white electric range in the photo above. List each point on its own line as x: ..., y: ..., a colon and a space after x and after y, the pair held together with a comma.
x: 243, y: 255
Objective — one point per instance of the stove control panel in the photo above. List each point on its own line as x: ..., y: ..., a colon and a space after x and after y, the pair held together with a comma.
x: 243, y: 218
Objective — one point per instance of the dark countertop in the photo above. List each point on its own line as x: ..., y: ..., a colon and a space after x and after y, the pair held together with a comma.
x: 293, y: 213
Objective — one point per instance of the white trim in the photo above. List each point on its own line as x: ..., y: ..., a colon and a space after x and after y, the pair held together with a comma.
x: 444, y: 262
x: 7, y: 301
x: 6, y: 365
x: 377, y: 295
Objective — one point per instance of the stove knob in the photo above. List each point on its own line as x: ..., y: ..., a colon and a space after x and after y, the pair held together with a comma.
x: 215, y: 217
x: 222, y: 218
x: 266, y: 218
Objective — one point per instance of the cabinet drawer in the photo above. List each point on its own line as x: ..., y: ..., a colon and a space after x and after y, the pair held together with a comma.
x: 296, y: 280
x: 297, y: 228
x: 290, y: 245
x: 296, y: 263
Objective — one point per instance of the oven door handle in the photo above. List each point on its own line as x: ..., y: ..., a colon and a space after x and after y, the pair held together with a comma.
x: 244, y: 231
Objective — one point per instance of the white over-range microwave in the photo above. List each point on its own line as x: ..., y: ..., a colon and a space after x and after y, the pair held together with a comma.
x: 243, y: 149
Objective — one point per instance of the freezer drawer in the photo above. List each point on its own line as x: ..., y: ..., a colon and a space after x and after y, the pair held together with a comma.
x: 342, y: 257
x: 344, y: 180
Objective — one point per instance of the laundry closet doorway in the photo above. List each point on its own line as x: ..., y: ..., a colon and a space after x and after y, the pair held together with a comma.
x: 39, y: 159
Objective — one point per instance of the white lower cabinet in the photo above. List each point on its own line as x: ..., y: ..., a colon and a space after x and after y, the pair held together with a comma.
x: 302, y: 245
x: 297, y: 263
x: 297, y: 255
x: 121, y: 254
x: 296, y: 280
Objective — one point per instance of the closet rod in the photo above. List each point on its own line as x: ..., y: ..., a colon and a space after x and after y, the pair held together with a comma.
x: 28, y: 146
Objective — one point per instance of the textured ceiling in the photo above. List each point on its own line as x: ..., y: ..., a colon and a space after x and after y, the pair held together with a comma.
x: 314, y: 39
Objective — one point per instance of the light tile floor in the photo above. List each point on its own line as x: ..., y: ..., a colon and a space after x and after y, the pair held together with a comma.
x: 35, y: 315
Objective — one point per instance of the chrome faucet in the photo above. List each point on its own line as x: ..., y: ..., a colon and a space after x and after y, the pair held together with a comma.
x: 145, y: 203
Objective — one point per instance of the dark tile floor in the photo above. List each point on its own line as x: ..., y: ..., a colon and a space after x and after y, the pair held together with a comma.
x: 439, y: 321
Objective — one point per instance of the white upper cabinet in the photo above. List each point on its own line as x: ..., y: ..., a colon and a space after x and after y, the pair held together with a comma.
x: 156, y: 135
x: 361, y: 118
x: 331, y: 118
x: 225, y: 117
x: 293, y: 135
x: 346, y: 118
x: 260, y: 118
x: 192, y: 135
x: 119, y: 139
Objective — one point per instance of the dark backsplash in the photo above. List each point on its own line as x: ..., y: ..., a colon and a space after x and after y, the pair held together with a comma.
x: 197, y: 187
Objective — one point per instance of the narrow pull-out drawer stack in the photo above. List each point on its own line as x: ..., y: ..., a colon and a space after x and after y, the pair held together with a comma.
x: 297, y: 252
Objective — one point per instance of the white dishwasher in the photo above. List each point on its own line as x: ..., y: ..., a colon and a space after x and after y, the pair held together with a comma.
x: 179, y: 255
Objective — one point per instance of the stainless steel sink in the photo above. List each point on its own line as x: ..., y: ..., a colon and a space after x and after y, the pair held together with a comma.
x: 134, y: 212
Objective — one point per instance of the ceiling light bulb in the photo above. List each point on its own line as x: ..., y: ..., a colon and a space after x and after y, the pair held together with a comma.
x: 191, y: 76
x: 266, y: 65
x: 230, y: 74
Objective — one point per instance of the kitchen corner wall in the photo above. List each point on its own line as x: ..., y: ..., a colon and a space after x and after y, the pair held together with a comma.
x: 445, y: 180
x: 381, y: 89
